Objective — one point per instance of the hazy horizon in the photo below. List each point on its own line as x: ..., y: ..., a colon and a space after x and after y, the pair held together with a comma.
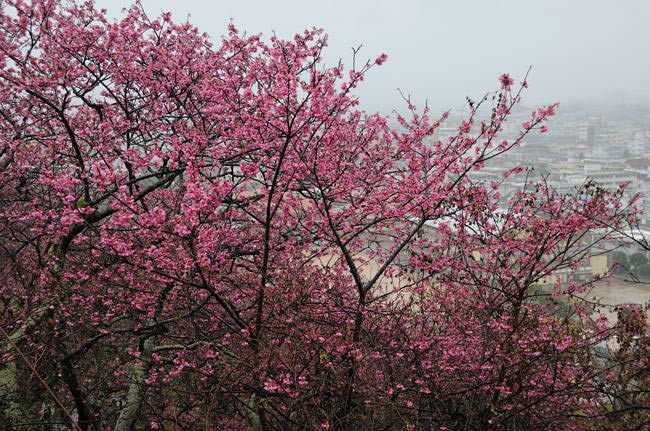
x: 444, y: 51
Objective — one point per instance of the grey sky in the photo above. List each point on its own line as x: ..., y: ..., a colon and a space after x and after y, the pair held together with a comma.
x: 445, y: 50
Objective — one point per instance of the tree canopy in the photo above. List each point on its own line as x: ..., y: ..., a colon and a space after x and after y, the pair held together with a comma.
x: 202, y: 234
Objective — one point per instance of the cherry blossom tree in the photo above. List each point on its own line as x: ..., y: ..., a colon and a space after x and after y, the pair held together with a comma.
x: 211, y: 235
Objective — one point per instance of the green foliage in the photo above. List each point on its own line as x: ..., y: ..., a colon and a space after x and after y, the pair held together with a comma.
x: 620, y: 262
x: 643, y: 270
x: 638, y: 259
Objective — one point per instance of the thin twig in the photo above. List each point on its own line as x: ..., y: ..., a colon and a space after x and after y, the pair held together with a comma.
x: 56, y: 399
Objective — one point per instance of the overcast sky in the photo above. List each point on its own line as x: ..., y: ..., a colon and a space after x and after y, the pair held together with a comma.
x: 444, y: 50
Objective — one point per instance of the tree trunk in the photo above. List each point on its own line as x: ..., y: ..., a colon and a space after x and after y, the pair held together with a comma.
x: 135, y: 395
